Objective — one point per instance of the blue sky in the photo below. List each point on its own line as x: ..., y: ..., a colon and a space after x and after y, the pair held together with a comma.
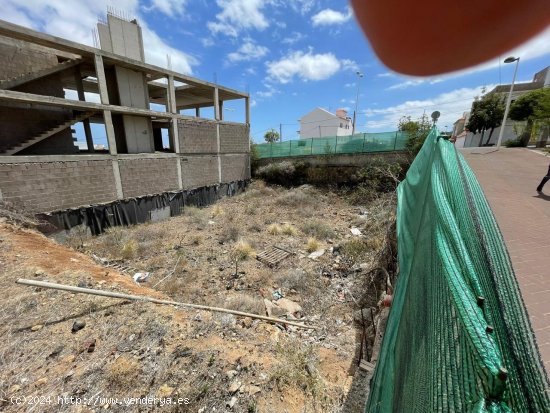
x: 290, y: 55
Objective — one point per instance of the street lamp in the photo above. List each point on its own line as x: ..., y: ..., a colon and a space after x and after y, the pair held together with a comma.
x: 510, y: 59
x: 356, y: 99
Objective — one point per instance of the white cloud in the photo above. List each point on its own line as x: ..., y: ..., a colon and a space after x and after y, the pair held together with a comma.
x: 248, y: 51
x: 237, y: 15
x: 348, y: 64
x: 293, y: 38
x: 329, y: 17
x: 451, y: 105
x: 386, y: 74
x: 77, y: 21
x: 170, y: 8
x: 306, y: 66
x: 207, y: 42
x: 269, y: 92
x: 415, y: 82
x: 350, y: 84
x: 302, y: 6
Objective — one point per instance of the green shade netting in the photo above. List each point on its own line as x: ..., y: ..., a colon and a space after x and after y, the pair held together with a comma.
x: 359, y: 143
x: 455, y: 280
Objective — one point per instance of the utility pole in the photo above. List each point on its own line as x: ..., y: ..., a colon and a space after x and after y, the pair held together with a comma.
x: 356, y: 101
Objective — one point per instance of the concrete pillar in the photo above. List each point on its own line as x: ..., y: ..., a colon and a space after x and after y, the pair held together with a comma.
x: 174, y: 132
x: 221, y: 109
x: 118, y: 181
x: 216, y: 104
x: 247, y: 110
x: 82, y: 97
x: 172, y: 108
x: 104, y: 95
x: 197, y: 112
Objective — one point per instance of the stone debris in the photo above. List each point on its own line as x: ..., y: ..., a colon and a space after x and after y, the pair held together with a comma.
x: 78, y: 325
x: 316, y: 254
x: 356, y: 231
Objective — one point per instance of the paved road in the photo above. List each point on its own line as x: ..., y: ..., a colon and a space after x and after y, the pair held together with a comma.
x: 509, y: 178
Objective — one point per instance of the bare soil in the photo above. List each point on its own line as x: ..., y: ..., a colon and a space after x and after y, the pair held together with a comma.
x: 218, y: 362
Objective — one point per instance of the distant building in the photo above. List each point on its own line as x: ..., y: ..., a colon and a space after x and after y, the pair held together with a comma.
x: 540, y: 80
x: 320, y: 122
x: 459, y: 130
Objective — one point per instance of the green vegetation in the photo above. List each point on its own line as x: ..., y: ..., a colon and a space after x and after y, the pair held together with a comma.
x: 486, y: 115
x: 533, y: 107
x: 417, y: 130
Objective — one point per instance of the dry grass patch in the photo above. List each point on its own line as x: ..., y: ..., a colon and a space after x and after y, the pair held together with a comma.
x: 289, y: 229
x: 217, y: 211
x: 313, y: 244
x: 245, y: 303
x: 123, y: 373
x: 317, y: 229
x: 275, y: 229
x: 297, y: 367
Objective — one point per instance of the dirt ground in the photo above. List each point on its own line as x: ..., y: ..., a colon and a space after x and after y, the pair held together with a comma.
x: 198, y: 361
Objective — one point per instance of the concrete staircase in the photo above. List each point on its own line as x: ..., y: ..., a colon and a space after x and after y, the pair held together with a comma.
x: 46, y: 134
x: 28, y: 77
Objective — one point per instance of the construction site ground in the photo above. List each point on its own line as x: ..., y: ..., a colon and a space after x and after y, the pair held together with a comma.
x: 62, y: 351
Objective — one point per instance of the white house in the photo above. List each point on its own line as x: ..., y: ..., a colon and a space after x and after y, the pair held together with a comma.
x: 320, y: 122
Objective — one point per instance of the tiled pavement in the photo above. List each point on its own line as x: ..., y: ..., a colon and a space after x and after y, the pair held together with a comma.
x: 509, y: 178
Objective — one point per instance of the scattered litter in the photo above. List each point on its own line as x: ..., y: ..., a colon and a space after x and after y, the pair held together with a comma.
x: 277, y: 294
x: 273, y: 256
x: 141, y: 277
x: 356, y: 231
x: 316, y: 254
x: 211, y: 222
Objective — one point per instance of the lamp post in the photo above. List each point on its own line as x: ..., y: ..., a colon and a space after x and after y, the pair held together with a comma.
x: 510, y: 59
x: 360, y: 75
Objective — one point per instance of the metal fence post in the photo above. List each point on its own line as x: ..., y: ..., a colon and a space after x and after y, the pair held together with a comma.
x: 336, y: 145
x: 290, y: 148
x: 363, y: 147
x: 311, y: 146
x: 395, y: 142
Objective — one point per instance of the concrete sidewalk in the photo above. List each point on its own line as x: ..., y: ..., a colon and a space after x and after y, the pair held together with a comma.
x: 509, y: 178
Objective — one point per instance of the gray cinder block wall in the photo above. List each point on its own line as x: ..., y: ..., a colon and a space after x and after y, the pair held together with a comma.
x: 45, y: 184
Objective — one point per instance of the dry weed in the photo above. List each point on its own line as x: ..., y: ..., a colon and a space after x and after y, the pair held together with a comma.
x: 242, y: 251
x: 297, y: 367
x: 275, y: 229
x: 130, y: 249
x: 312, y: 244
x: 317, y: 229
x: 217, y: 211
x: 289, y: 229
x: 245, y: 303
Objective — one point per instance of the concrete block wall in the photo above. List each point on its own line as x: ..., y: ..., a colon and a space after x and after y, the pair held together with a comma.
x: 50, y: 186
x: 197, y: 136
x: 197, y: 171
x: 148, y: 176
x: 234, y: 138
x: 235, y: 167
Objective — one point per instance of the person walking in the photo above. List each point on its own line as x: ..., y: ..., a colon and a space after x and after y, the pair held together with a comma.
x: 544, y: 180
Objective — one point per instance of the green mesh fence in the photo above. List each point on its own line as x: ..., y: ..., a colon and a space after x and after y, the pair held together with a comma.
x: 358, y: 143
x: 458, y: 338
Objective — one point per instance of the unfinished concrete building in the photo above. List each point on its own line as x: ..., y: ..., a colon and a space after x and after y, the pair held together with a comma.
x: 136, y: 176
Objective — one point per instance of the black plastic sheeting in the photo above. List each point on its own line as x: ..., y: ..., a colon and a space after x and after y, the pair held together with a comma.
x: 133, y: 211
